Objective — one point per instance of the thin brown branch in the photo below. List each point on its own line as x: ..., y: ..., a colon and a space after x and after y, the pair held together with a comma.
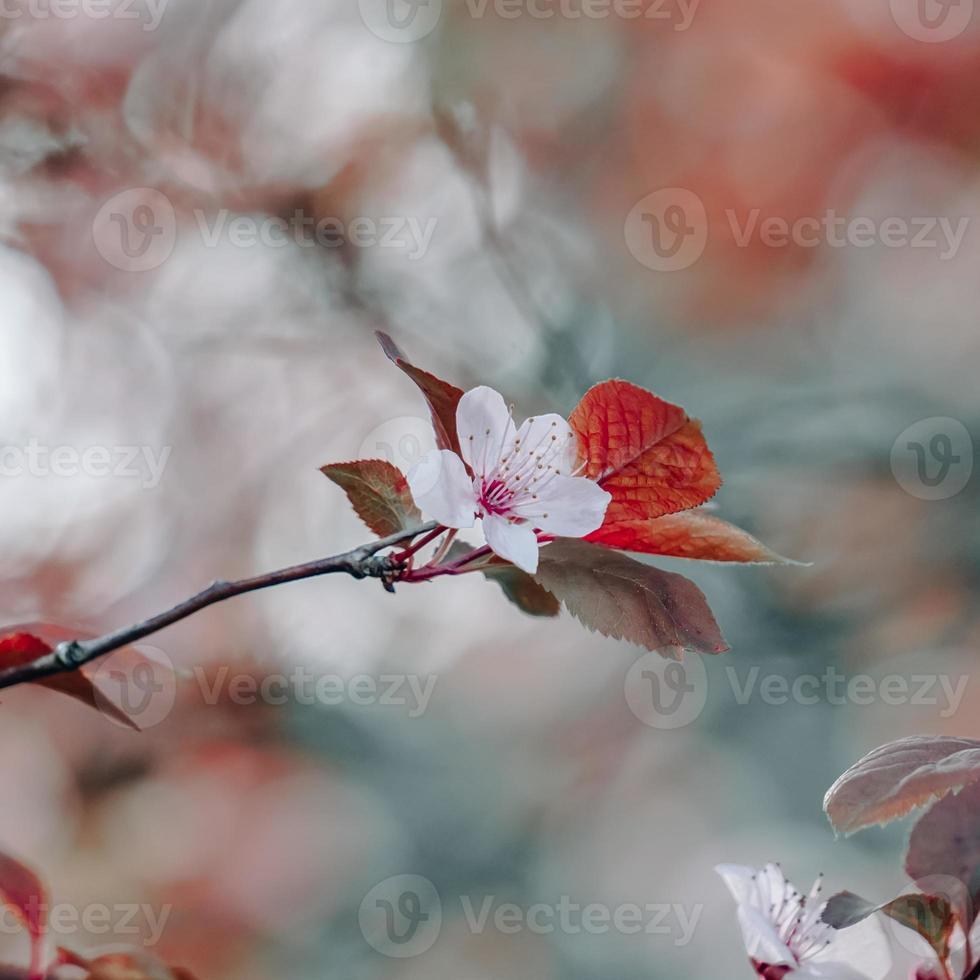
x: 362, y: 562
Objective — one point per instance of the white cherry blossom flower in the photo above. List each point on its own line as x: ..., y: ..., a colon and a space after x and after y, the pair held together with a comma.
x: 522, y: 480
x: 786, y: 937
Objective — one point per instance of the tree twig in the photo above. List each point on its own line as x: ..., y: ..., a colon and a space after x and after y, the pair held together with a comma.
x: 362, y: 562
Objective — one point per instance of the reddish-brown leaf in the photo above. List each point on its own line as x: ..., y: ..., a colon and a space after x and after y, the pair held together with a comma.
x: 691, y: 534
x: 895, y: 778
x: 23, y: 644
x: 646, y: 452
x: 522, y: 590
x: 23, y: 892
x: 441, y: 396
x: 620, y: 597
x: 946, y: 843
x: 379, y: 494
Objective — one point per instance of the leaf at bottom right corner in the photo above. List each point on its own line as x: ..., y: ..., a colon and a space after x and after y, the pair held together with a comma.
x: 620, y: 597
x: 946, y: 842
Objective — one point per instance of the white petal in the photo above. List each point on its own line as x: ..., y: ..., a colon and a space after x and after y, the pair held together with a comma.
x: 574, y: 506
x: 485, y: 428
x: 550, y: 437
x: 442, y: 488
x: 828, y: 971
x: 515, y: 542
x: 761, y: 938
x: 863, y: 947
x: 741, y: 881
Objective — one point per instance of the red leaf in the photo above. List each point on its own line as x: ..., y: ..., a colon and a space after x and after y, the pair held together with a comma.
x: 378, y: 492
x: 23, y: 644
x: 691, y: 534
x: 646, y: 452
x: 441, y: 396
x: 23, y: 892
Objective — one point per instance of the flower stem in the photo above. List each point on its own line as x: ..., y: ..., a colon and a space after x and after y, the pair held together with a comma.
x: 420, y: 544
x: 454, y: 568
x: 443, y: 548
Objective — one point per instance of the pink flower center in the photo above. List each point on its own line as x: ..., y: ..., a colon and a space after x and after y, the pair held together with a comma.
x: 495, y: 496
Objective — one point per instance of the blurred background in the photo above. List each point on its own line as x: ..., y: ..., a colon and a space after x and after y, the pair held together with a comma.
x: 764, y: 210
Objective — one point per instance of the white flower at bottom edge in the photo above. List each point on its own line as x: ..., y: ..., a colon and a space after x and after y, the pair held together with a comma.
x: 785, y: 936
x: 522, y: 480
